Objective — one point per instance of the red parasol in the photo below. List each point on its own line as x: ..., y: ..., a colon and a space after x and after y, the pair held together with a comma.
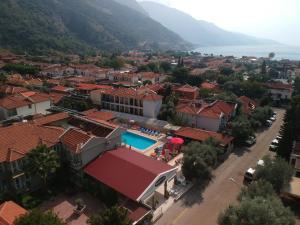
x: 177, y: 141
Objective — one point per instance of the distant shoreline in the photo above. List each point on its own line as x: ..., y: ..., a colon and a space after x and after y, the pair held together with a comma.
x: 281, y: 51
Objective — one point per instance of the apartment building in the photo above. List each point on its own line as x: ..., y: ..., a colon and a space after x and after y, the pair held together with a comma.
x: 141, y: 102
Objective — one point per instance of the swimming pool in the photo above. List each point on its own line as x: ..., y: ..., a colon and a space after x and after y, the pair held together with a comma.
x: 136, y: 141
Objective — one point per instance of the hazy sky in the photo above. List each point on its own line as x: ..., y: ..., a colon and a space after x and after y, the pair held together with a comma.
x: 274, y: 19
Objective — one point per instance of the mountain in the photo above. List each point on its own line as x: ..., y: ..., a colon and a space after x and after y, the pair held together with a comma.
x: 197, y: 32
x: 79, y: 26
x: 133, y: 5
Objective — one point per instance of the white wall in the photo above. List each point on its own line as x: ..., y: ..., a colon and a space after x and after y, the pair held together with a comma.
x: 97, y: 145
x: 151, y: 108
x: 152, y: 188
x: 95, y: 97
x: 38, y: 108
x: 210, y: 124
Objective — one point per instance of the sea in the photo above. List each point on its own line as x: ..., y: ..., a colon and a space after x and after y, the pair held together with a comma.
x: 281, y: 51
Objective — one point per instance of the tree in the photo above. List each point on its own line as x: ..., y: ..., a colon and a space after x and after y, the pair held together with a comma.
x: 260, y: 116
x: 199, y: 159
x: 43, y: 161
x: 271, y: 55
x: 290, y: 129
x: 297, y: 86
x: 258, y: 211
x: 111, y: 216
x: 37, y: 217
x: 226, y: 71
x: 147, y: 82
x: 278, y: 172
x: 263, y: 68
x: 3, y: 78
x: 260, y: 188
x: 241, y: 129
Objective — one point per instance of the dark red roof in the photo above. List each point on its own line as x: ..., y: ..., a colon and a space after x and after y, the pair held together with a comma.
x: 203, y: 135
x: 136, y: 211
x: 248, y: 105
x: 127, y: 171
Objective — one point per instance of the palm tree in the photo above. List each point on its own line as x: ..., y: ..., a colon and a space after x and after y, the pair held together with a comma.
x: 43, y: 161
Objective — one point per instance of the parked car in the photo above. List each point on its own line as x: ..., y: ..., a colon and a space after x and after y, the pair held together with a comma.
x: 250, y: 173
x: 273, y: 118
x: 273, y: 148
x: 269, y: 123
x: 249, y: 176
x: 275, y: 142
x: 251, y: 141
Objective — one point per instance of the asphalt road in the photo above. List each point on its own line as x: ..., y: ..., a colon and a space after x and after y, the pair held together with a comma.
x: 203, y: 207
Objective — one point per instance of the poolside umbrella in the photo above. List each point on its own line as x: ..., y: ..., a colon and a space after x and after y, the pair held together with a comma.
x: 177, y: 141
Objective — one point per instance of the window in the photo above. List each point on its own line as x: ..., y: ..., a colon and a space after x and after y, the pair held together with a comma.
x: 30, y: 106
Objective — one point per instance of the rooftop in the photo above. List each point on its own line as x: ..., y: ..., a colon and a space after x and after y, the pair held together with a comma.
x: 202, y: 135
x: 9, y: 211
x: 127, y: 171
x: 19, y: 139
x: 23, y: 99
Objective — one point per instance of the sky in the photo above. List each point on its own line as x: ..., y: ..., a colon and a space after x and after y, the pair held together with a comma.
x: 273, y: 19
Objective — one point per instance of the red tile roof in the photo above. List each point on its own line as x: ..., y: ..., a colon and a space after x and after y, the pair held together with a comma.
x: 74, y: 138
x: 213, y: 110
x: 22, y: 99
x: 45, y: 120
x: 210, y: 86
x: 56, y: 97
x: 94, y: 114
x: 91, y: 87
x: 187, y: 88
x: 127, y: 171
x: 12, y: 90
x: 248, y: 105
x: 132, y: 93
x: 60, y: 88
x: 217, y: 108
x: 202, y: 135
x: 19, y: 139
x: 279, y: 86
x: 9, y: 212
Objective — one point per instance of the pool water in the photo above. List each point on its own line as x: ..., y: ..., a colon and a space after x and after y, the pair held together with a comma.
x: 136, y: 141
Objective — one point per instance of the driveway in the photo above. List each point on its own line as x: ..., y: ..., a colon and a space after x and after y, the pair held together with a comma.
x: 203, y: 208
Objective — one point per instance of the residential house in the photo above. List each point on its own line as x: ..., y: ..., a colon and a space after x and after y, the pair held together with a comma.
x: 248, y: 105
x: 24, y: 104
x: 86, y: 139
x: 208, y: 116
x: 57, y: 71
x: 9, y: 212
x: 187, y: 92
x: 86, y: 89
x: 117, y: 77
x: 11, y: 90
x: 15, y: 143
x: 209, y: 86
x: 136, y: 177
x: 280, y: 91
x: 194, y: 134
x: 141, y: 102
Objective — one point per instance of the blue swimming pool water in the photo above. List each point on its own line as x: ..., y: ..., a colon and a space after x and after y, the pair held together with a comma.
x: 136, y: 141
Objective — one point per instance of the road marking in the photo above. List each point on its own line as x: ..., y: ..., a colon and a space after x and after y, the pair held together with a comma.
x: 179, y: 216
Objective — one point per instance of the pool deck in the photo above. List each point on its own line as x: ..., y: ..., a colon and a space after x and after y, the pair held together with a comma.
x: 151, y: 149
